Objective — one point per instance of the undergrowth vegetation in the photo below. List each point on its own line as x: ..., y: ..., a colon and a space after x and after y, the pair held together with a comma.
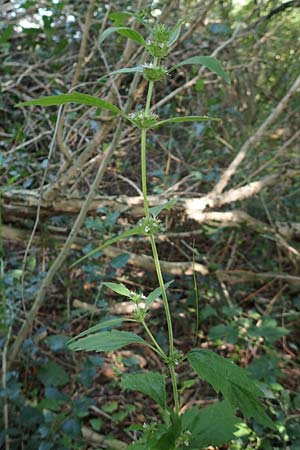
x: 177, y: 283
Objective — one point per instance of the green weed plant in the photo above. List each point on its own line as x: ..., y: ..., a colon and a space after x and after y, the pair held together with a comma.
x: 196, y: 428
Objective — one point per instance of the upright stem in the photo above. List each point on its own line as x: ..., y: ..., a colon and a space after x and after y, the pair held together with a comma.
x: 155, y: 254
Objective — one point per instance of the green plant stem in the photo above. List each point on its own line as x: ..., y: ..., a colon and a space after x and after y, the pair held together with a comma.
x: 152, y: 338
x: 155, y: 255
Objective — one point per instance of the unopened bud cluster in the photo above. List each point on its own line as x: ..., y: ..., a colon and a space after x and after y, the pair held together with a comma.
x: 144, y: 119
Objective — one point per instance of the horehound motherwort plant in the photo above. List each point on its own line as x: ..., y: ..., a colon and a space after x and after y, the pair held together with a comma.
x: 197, y: 427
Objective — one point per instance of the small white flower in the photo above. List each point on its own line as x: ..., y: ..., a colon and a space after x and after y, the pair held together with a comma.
x: 147, y: 229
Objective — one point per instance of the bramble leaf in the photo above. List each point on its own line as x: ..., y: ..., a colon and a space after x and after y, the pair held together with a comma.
x: 209, y: 62
x: 99, y: 326
x: 118, y: 288
x: 234, y: 383
x: 74, y: 97
x: 126, y: 32
x: 185, y: 119
x: 106, y: 341
x: 210, y: 426
x: 149, y: 383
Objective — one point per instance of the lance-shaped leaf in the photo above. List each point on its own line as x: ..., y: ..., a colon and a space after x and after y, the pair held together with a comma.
x: 185, y: 119
x: 175, y: 32
x: 118, y: 288
x: 126, y: 32
x: 122, y: 71
x: 210, y: 426
x: 207, y: 61
x: 234, y: 383
x: 149, y: 383
x: 156, y: 293
x: 106, y: 341
x: 110, y: 323
x: 155, y: 210
x: 74, y: 97
x: 119, y: 18
x: 132, y: 232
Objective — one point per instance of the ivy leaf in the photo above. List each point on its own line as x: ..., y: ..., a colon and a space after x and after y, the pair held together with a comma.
x: 106, y: 341
x: 149, y: 383
x: 234, y: 383
x: 156, y: 210
x: 51, y: 374
x: 121, y: 71
x: 99, y: 326
x: 132, y: 232
x: 208, y: 61
x: 126, y: 32
x: 210, y: 426
x: 118, y: 288
x: 74, y: 97
x: 156, y: 293
x: 185, y: 119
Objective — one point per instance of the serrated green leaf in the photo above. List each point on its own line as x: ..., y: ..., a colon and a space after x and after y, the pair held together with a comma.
x: 99, y: 326
x: 132, y: 232
x: 74, y: 97
x: 156, y: 210
x: 234, y: 383
x: 207, y: 61
x: 106, y: 341
x: 210, y: 426
x: 156, y: 293
x: 126, y: 32
x: 149, y: 383
x: 121, y: 71
x: 118, y: 288
x: 185, y: 119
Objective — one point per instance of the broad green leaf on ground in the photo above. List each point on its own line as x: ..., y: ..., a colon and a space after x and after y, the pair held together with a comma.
x: 156, y: 210
x: 132, y: 232
x: 149, y: 383
x: 156, y: 293
x: 126, y: 32
x: 269, y: 330
x: 106, y: 341
x: 110, y: 323
x: 208, y: 61
x: 234, y: 383
x: 121, y: 71
x: 51, y: 374
x: 213, y: 425
x: 185, y: 119
x: 118, y: 288
x: 74, y: 97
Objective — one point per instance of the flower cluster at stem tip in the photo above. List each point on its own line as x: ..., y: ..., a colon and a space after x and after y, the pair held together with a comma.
x: 158, y: 47
x: 141, y: 307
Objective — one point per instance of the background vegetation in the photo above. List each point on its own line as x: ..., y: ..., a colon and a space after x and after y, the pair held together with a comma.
x: 240, y: 226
